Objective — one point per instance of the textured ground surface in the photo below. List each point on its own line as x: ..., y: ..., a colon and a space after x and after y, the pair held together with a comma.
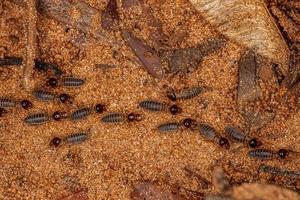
x: 116, y: 157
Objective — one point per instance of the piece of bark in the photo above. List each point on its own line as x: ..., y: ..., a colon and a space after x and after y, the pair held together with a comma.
x: 187, y: 59
x: 145, y: 54
x: 76, y: 14
x: 110, y: 16
x: 257, y: 120
x: 28, y: 83
x: 129, y: 3
x: 203, y: 182
x: 220, y: 181
x: 79, y: 195
x: 248, y: 89
x: 150, y: 191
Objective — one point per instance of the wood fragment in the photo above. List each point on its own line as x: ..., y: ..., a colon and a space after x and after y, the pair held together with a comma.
x: 248, y: 89
x: 28, y: 83
x: 203, y: 182
x: 148, y: 57
x: 61, y: 10
x: 110, y: 16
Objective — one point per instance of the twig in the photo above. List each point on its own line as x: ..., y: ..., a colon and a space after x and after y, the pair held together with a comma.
x: 31, y: 45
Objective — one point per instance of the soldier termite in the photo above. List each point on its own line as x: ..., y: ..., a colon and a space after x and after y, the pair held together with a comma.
x: 81, y: 113
x: 237, y: 135
x: 268, y: 154
x: 7, y: 102
x: 211, y: 134
x: 186, y: 93
x: 158, y: 106
x: 113, y: 118
x: 168, y: 127
x: 37, y: 118
x: 76, y: 138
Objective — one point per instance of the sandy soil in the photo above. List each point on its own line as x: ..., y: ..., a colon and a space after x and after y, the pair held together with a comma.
x: 116, y: 157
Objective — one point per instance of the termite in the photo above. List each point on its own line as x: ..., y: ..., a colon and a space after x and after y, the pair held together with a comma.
x: 237, y: 135
x: 268, y: 154
x: 186, y: 93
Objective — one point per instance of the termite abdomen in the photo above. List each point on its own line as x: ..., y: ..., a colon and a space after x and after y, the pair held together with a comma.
x: 81, y: 113
x: 43, y: 95
x: 235, y: 134
x: 72, y: 82
x: 76, y: 138
x: 36, y: 119
x: 207, y: 131
x: 166, y: 127
x: 113, y: 118
x: 153, y: 105
x: 188, y: 93
x: 7, y: 103
x: 261, y: 154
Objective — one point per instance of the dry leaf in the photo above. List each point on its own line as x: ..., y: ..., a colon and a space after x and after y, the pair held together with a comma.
x: 249, y: 23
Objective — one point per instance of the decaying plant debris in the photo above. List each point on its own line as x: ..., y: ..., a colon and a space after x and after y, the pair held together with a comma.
x: 249, y: 23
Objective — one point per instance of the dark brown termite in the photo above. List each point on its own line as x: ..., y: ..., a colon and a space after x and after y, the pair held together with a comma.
x: 211, y: 134
x: 44, y: 66
x: 237, y: 135
x: 70, y: 82
x: 156, y: 106
x: 168, y: 127
x: 186, y: 93
x: 37, y: 118
x: 7, y: 102
x: 268, y: 154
